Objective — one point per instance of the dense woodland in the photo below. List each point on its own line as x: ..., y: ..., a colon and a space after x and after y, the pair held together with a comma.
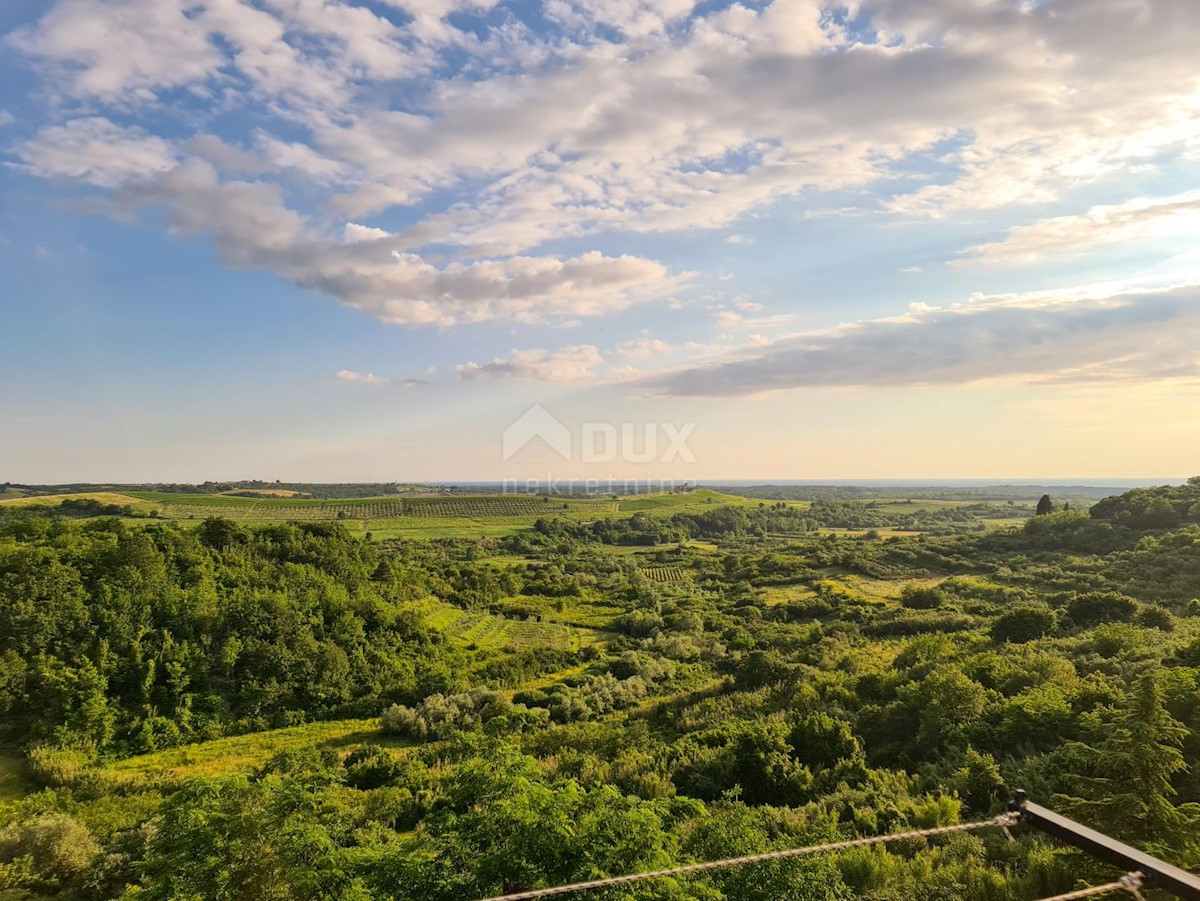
x: 737, y: 679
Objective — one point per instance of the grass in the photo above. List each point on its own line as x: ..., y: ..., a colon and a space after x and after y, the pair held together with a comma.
x: 486, y: 632
x: 13, y: 779
x: 139, y: 504
x: 785, y: 594
x: 699, y: 499
x: 239, y: 753
x: 583, y: 612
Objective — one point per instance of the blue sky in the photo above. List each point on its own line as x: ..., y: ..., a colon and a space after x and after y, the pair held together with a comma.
x: 319, y: 240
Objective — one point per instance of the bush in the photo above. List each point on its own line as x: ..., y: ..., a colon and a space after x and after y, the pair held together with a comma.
x: 1097, y: 607
x: 371, y: 767
x: 59, y: 847
x: 1114, y: 639
x: 1153, y: 616
x: 922, y: 597
x: 1024, y: 622
x: 1189, y: 654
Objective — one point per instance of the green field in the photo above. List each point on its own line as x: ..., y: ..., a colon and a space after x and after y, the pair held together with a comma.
x: 421, y: 517
x: 242, y: 752
x: 139, y: 504
x: 483, y: 631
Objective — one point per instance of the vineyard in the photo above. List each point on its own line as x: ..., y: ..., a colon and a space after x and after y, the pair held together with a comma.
x: 665, y: 573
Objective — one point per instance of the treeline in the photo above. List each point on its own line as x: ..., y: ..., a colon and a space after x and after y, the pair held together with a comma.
x: 1163, y: 507
x: 725, y: 521
x: 980, y: 493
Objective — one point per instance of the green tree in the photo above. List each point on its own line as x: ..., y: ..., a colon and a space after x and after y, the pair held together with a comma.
x: 1129, y: 791
x: 979, y: 781
x: 235, y: 839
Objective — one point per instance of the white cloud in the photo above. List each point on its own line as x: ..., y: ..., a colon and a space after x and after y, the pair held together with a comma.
x: 96, y: 151
x: 254, y: 228
x: 114, y: 49
x: 362, y: 378
x: 353, y: 232
x: 654, y: 134
x: 1048, y: 337
x: 226, y: 157
x: 6, y: 118
x: 1101, y: 226
x: 643, y: 347
x: 569, y: 364
x: 300, y: 158
x: 633, y: 18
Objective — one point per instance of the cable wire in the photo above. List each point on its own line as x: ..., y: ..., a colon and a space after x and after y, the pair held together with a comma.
x: 1001, y: 822
x: 1130, y: 882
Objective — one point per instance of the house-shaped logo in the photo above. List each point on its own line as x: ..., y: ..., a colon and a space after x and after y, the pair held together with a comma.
x: 537, y: 422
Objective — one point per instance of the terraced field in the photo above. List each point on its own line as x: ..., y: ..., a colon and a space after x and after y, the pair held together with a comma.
x: 487, y: 632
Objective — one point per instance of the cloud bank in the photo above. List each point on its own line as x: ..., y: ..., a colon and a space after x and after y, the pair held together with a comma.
x: 1125, y: 337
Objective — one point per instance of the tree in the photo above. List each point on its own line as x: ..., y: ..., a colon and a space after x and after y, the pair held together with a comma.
x: 1130, y: 792
x: 229, y: 838
x: 979, y: 781
x: 504, y: 829
x: 1045, y: 505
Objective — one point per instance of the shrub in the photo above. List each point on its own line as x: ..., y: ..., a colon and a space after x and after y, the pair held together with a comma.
x: 1097, y: 607
x: 1024, y: 622
x: 1153, y: 616
x: 59, y: 847
x: 922, y: 597
x: 1113, y: 639
x: 371, y: 767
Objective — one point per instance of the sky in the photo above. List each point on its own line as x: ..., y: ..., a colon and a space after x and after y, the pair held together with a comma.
x: 435, y: 240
